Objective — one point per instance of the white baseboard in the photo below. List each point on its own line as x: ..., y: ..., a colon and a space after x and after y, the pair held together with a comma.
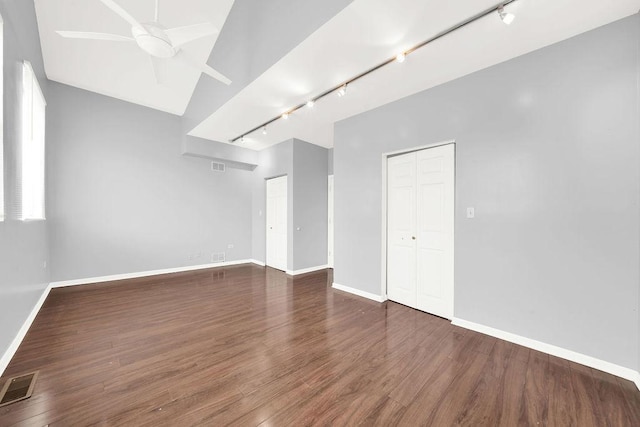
x: 91, y: 280
x: 13, y: 347
x: 553, y: 350
x: 255, y: 261
x: 358, y: 292
x: 306, y: 270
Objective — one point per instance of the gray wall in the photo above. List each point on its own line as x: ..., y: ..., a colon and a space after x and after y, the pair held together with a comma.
x: 23, y: 245
x: 547, y: 153
x: 306, y: 168
x: 309, y: 205
x: 123, y: 199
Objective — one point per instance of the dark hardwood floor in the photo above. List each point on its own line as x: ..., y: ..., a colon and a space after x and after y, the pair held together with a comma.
x: 246, y: 345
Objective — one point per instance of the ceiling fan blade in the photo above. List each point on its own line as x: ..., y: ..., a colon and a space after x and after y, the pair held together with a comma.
x: 94, y: 36
x: 182, y: 35
x: 202, y: 67
x: 123, y: 13
x: 159, y: 69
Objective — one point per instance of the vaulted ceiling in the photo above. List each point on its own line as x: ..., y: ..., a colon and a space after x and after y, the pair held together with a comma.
x: 121, y: 69
x: 354, y: 37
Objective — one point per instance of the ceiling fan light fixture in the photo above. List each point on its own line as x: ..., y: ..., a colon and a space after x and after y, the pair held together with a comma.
x: 154, y: 41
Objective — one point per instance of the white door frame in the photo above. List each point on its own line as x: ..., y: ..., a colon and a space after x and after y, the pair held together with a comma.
x: 385, y: 156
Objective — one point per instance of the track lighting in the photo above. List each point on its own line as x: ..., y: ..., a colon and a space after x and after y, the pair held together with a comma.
x: 264, y: 130
x: 341, y: 90
x: 506, y: 17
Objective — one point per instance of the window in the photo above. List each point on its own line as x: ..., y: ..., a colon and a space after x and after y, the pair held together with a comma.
x: 32, y: 147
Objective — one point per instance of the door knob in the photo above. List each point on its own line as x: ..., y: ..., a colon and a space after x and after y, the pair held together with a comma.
x: 413, y: 237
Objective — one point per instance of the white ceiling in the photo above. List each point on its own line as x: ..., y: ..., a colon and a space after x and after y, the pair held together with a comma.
x: 122, y: 70
x: 368, y: 32
x: 362, y: 35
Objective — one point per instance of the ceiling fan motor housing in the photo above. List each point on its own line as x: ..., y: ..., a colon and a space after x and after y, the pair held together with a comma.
x: 153, y: 40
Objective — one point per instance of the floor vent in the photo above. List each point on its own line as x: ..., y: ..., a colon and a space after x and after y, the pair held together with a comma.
x: 18, y: 388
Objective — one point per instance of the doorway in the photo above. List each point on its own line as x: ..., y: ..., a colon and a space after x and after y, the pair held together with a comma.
x: 276, y: 256
x: 420, y: 222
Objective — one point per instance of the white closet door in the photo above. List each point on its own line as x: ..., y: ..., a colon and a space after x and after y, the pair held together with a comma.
x: 277, y: 223
x: 435, y: 204
x: 330, y: 222
x: 401, y: 225
x: 420, y: 213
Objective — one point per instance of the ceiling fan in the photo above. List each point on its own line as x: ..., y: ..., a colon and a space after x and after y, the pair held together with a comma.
x: 155, y: 40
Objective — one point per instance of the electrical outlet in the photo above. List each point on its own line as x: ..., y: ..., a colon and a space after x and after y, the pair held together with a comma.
x: 217, y: 257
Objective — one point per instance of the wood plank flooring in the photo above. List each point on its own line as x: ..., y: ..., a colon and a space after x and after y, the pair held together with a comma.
x: 249, y: 346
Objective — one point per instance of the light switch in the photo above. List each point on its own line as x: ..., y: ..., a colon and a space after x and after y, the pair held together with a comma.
x: 471, y: 212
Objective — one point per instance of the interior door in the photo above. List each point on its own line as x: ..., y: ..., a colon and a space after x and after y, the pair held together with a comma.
x: 277, y: 223
x: 435, y: 208
x: 420, y: 219
x: 401, y: 225
x: 330, y: 222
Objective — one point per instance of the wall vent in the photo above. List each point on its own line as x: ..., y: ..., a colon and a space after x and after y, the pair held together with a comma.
x: 217, y: 167
x: 217, y: 257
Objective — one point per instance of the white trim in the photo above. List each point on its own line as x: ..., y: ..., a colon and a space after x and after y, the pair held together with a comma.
x: 255, y: 261
x: 306, y: 270
x: 330, y: 218
x: 91, y: 280
x: 13, y: 347
x: 553, y: 350
x: 358, y: 292
x: 383, y: 231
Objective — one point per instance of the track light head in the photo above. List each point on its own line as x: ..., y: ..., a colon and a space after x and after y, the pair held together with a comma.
x: 342, y: 91
x: 506, y: 17
x: 285, y: 116
x: 264, y: 130
x: 401, y: 57
x: 311, y: 103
